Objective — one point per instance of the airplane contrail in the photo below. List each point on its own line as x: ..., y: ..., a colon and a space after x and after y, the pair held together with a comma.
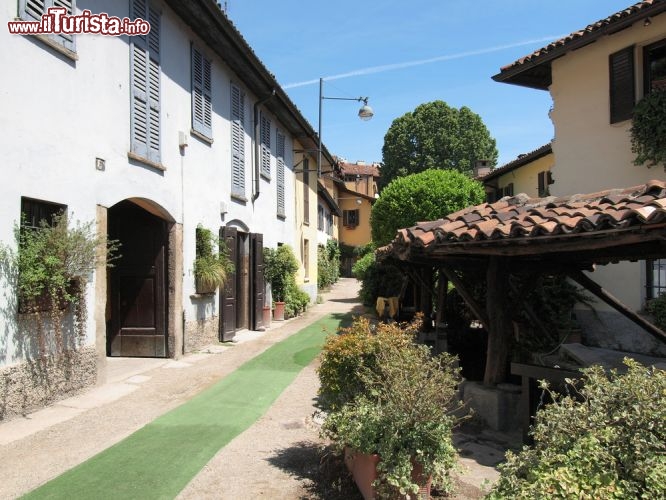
x: 408, y: 64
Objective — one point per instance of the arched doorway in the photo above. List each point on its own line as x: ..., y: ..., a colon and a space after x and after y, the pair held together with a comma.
x: 137, y: 283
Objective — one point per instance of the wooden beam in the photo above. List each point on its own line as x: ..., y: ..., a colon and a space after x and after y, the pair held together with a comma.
x: 591, y: 285
x: 442, y: 289
x: 536, y: 321
x: 498, y: 306
x: 464, y: 292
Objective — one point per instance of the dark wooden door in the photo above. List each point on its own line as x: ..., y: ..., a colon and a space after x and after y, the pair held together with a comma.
x: 228, y: 303
x: 138, y: 283
x: 257, y: 256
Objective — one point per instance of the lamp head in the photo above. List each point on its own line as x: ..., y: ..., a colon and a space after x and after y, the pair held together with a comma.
x: 366, y: 112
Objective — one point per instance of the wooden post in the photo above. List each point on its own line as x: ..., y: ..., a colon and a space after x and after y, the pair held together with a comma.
x: 500, y: 328
x: 442, y: 288
x: 426, y: 298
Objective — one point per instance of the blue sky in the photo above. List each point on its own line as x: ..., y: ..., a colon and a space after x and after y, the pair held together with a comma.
x: 402, y: 54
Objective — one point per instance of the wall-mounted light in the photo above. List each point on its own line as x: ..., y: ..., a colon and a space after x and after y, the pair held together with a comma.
x: 647, y: 22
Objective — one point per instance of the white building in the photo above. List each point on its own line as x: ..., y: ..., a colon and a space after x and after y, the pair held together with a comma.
x: 148, y: 136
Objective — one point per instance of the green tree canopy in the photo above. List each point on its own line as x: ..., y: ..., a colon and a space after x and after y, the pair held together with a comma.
x: 435, y: 135
x: 428, y: 195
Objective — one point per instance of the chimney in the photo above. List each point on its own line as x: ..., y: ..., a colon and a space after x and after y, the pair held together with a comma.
x: 481, y: 168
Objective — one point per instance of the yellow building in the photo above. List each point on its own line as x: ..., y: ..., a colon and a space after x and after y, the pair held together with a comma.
x: 530, y: 173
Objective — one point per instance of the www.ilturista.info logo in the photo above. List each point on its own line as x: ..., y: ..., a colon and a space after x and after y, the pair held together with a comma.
x: 57, y: 22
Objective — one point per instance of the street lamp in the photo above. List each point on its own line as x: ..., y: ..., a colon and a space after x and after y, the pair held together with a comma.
x: 365, y: 113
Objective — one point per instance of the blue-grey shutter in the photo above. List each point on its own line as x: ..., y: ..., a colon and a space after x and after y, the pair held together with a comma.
x: 265, y: 146
x: 145, y: 84
x: 32, y: 10
x: 202, y: 103
x: 237, y: 141
x: 279, y: 153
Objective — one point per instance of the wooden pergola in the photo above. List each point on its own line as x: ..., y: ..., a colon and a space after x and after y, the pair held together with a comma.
x: 527, y: 237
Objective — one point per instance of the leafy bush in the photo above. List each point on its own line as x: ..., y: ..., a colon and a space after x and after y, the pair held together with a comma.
x: 389, y: 396
x: 657, y: 307
x: 280, y: 266
x: 346, y: 355
x: 295, y: 299
x: 609, y: 442
x: 648, y: 131
x: 328, y: 264
x: 210, y: 269
x: 428, y: 195
x: 377, y: 279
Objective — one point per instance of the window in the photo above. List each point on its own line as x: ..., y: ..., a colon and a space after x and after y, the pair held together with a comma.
x: 279, y: 168
x: 350, y: 218
x: 622, y: 90
x: 145, y: 84
x: 329, y: 224
x: 545, y: 179
x: 237, y: 143
x: 202, y: 100
x: 306, y: 191
x: 656, y: 277
x: 32, y: 10
x: 320, y: 218
x: 33, y: 212
x: 654, y: 67
x: 508, y: 189
x: 306, y: 258
x: 265, y: 147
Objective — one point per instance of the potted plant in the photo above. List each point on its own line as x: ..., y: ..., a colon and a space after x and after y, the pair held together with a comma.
x: 210, y: 269
x: 393, y: 407
x: 51, y: 266
x: 648, y: 132
x: 280, y: 266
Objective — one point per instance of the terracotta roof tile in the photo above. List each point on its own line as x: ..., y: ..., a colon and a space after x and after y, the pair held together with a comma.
x: 520, y: 217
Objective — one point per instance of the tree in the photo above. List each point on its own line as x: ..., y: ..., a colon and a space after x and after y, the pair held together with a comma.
x: 435, y: 135
x: 428, y: 195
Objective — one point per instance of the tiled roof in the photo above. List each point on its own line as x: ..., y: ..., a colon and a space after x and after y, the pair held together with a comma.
x: 519, y: 220
x: 579, y: 38
x: 359, y: 168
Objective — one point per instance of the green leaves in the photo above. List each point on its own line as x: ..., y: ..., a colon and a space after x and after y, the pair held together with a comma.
x: 425, y: 196
x: 648, y: 131
x: 435, y: 135
x: 610, y: 442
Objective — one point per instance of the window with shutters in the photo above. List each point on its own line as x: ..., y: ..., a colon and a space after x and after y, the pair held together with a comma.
x: 237, y: 143
x: 34, y: 213
x: 279, y: 167
x: 32, y: 10
x: 306, y: 191
x: 265, y: 147
x: 350, y: 218
x: 320, y: 218
x: 622, y: 87
x: 202, y: 97
x: 306, y: 259
x: 656, y: 278
x: 654, y: 67
x: 545, y: 179
x: 508, y: 189
x: 145, y: 86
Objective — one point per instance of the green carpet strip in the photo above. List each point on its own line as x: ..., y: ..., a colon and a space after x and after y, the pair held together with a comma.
x: 160, y: 459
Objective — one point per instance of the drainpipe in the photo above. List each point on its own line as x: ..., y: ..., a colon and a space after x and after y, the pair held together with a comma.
x: 257, y: 141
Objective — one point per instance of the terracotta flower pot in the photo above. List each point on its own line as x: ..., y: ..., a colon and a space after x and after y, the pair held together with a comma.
x: 266, y: 316
x: 278, y: 312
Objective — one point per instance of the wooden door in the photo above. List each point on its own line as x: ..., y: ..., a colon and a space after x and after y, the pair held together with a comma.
x: 228, y: 303
x: 138, y: 283
x: 258, y: 286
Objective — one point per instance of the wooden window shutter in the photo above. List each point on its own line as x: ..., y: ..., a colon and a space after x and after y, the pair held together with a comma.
x: 542, y: 183
x: 306, y: 191
x: 622, y: 85
x: 265, y: 146
x: 237, y: 141
x: 279, y: 152
x: 32, y: 10
x: 202, y: 102
x: 508, y: 190
x: 145, y: 84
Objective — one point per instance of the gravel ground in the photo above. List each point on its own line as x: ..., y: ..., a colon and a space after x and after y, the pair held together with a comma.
x: 280, y: 457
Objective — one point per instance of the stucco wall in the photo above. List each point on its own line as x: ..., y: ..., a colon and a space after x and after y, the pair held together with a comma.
x: 590, y: 153
x: 525, y: 179
x: 361, y: 234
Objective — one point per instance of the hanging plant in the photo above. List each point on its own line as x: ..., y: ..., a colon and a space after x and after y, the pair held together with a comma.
x: 648, y: 131
x: 210, y: 269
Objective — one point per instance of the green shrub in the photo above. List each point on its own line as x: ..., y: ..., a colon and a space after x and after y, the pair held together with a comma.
x: 377, y: 279
x: 389, y: 396
x: 328, y: 264
x: 609, y: 442
x: 657, y: 307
